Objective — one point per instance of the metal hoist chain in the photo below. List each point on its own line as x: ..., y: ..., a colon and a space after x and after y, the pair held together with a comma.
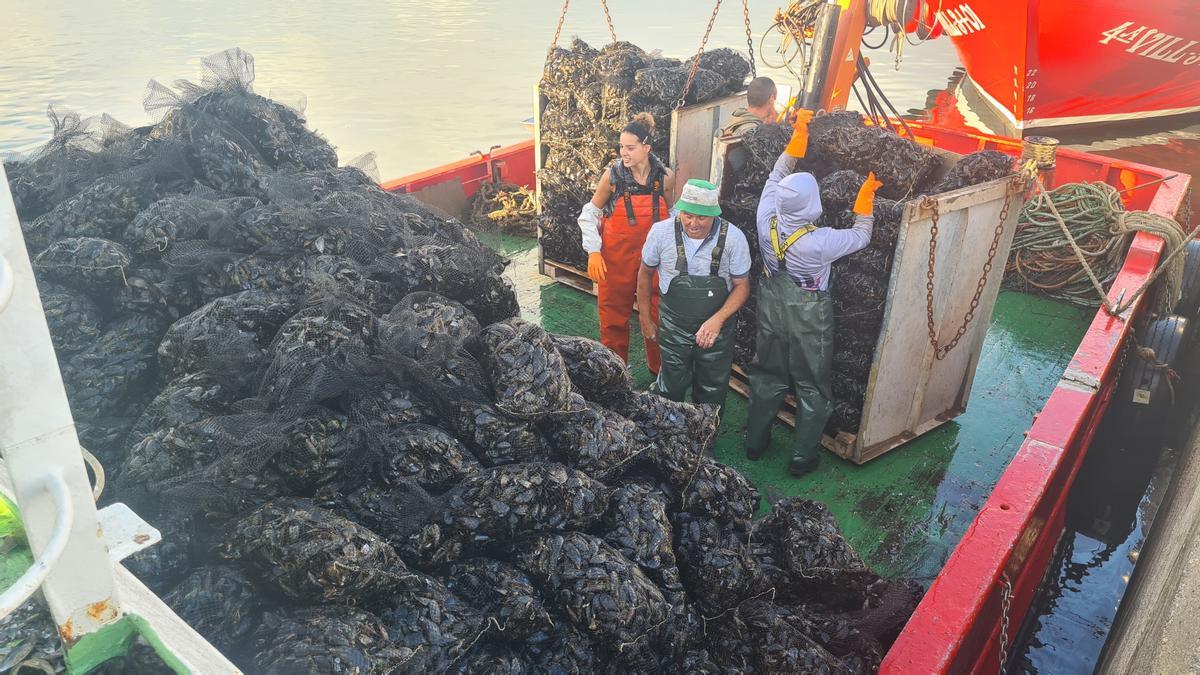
x: 940, y: 350
x: 562, y: 16
x: 696, y: 61
x: 1005, y: 609
x: 749, y: 37
x: 608, y: 17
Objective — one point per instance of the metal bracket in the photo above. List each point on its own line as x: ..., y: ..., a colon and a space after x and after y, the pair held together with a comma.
x: 125, y: 532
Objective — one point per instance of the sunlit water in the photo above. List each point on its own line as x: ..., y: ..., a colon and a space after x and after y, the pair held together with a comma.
x: 424, y: 83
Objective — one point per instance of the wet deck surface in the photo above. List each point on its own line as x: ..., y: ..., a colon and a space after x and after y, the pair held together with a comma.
x: 906, y: 510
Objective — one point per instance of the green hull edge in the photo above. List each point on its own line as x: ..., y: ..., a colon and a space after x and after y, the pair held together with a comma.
x: 113, y: 641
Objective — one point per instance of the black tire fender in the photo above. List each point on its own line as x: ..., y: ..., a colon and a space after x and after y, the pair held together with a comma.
x: 1145, y: 392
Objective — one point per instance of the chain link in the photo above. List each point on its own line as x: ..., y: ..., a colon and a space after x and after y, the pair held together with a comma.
x: 562, y: 16
x: 941, y: 351
x: 749, y: 37
x: 1005, y: 608
x: 608, y: 17
x: 696, y: 60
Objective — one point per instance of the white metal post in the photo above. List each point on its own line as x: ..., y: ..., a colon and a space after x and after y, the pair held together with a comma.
x: 76, y: 547
x: 37, y: 437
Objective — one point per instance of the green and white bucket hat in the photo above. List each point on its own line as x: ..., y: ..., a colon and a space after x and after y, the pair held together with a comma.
x: 699, y: 198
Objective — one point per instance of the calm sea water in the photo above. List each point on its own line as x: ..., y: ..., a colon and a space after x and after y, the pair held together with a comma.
x: 424, y: 83
x: 419, y: 83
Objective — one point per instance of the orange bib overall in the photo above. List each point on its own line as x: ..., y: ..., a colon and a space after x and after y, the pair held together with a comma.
x: 623, y: 233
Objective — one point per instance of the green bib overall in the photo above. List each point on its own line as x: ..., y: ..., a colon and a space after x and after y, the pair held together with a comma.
x: 689, y: 302
x: 794, y: 349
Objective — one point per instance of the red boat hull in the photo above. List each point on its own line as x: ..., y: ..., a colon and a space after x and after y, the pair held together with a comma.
x: 1063, y: 62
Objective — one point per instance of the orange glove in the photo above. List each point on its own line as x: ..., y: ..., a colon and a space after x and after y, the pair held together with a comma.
x: 597, y: 270
x: 799, y: 143
x: 864, y: 205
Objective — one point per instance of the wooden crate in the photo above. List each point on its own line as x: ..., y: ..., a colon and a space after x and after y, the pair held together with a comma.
x: 909, y: 390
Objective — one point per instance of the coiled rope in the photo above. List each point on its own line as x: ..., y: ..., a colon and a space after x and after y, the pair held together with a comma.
x: 1071, y: 241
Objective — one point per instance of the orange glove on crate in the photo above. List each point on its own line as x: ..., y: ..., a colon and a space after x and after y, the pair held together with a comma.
x: 597, y: 270
x: 864, y: 205
x: 799, y: 143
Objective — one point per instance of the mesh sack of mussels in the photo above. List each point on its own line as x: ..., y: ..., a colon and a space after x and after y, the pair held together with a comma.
x: 591, y: 94
x: 304, y: 552
x: 312, y: 387
x: 325, y: 639
x: 221, y: 603
x: 227, y: 191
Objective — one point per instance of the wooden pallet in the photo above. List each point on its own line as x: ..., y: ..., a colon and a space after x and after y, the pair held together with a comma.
x: 842, y: 445
x: 567, y: 275
x: 739, y: 381
x: 573, y: 277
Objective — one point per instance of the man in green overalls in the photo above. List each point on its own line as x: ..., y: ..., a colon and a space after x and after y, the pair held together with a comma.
x: 794, y: 344
x: 702, y: 264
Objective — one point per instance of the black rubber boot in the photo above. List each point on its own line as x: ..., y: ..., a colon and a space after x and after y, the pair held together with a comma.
x: 800, y: 466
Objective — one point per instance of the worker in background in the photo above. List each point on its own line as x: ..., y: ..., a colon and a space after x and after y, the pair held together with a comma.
x: 702, y: 264
x: 794, y: 346
x: 760, y: 108
x: 628, y: 200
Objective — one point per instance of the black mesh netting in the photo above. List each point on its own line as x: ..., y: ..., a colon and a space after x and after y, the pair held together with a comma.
x: 314, y: 388
x: 638, y: 525
x: 431, y: 456
x: 85, y: 263
x: 175, y: 218
x: 306, y: 553
x: 600, y: 590
x: 592, y: 94
x: 528, y: 377
x: 74, y: 319
x: 509, y: 501
x: 220, y: 603
x: 431, y: 625
x: 594, y: 440
x: 975, y: 168
x: 326, y: 639
x: 500, y: 590
x: 595, y: 370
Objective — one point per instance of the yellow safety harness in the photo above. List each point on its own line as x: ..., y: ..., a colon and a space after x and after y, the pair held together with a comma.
x: 792, y: 238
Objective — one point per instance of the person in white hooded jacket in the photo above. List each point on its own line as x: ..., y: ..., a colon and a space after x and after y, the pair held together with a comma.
x: 794, y: 340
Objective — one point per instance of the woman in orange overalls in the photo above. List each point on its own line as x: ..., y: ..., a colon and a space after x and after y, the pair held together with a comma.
x: 628, y: 200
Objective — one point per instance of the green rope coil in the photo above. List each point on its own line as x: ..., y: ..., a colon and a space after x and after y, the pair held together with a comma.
x: 1080, y: 268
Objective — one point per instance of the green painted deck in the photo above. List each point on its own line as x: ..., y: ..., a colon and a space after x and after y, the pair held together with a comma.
x: 15, y: 556
x: 904, y: 511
